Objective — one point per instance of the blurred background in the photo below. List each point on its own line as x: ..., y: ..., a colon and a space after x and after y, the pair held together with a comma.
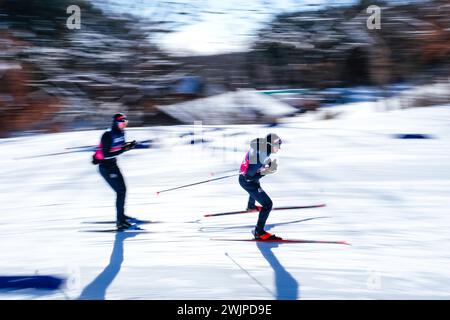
x: 380, y: 164
x: 168, y: 62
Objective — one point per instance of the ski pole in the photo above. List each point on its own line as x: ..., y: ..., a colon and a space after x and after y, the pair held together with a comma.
x: 139, y: 145
x: 47, y: 155
x: 248, y: 273
x: 193, y: 184
x: 93, y: 146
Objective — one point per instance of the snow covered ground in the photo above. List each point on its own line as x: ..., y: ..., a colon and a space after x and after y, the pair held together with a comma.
x: 388, y: 197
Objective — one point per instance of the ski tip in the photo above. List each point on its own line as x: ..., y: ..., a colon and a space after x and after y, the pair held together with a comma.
x: 157, y: 193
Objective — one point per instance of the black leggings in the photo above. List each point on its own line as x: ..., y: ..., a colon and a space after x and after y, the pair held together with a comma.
x: 114, y: 177
x: 257, y: 193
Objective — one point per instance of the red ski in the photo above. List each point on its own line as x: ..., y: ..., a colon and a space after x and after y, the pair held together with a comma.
x: 258, y: 208
x: 285, y: 241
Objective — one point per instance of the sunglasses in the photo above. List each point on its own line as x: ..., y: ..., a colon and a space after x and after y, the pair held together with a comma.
x: 276, y: 143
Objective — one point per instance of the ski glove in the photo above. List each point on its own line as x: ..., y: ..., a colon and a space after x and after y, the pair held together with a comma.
x: 272, y: 168
x: 129, y: 145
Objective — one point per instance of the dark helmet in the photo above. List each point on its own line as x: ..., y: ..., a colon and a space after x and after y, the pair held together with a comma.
x: 273, y: 140
x: 120, y: 117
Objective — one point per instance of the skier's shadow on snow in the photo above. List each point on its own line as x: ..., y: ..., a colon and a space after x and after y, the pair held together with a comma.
x: 287, y: 288
x: 96, y: 290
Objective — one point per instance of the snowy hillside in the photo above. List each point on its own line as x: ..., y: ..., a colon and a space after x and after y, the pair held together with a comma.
x: 388, y: 197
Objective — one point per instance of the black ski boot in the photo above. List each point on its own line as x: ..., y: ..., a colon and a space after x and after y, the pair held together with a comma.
x: 123, y: 225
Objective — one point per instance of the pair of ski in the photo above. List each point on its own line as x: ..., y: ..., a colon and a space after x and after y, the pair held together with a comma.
x: 136, y: 222
x: 136, y: 229
x: 258, y: 209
